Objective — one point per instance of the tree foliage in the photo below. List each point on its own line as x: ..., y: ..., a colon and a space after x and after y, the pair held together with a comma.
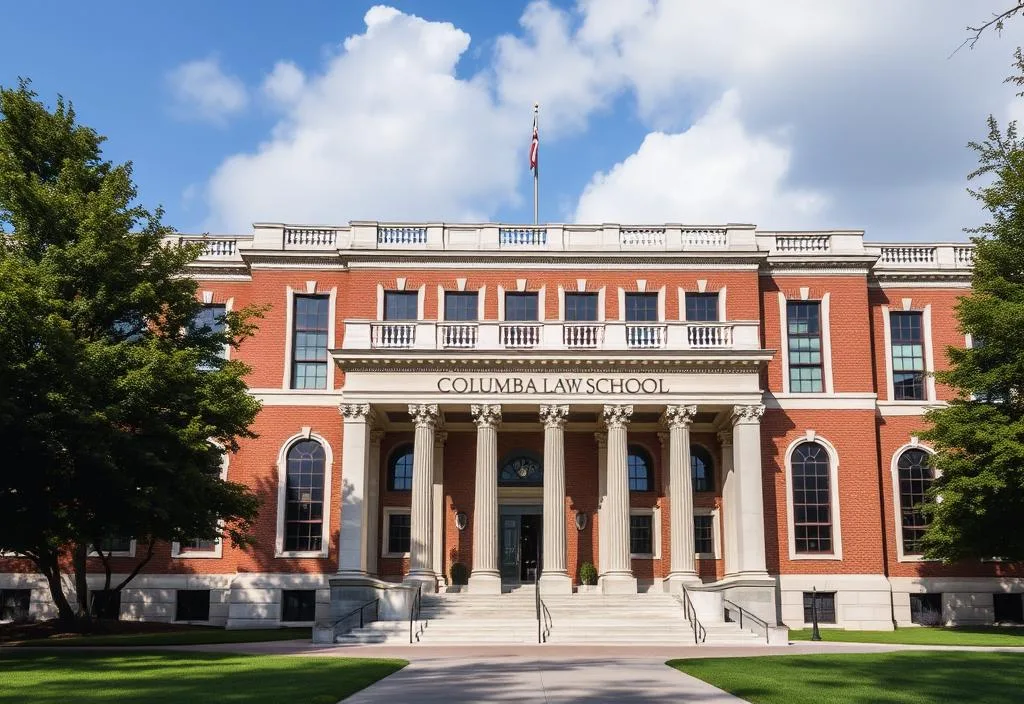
x: 110, y: 395
x: 978, y: 499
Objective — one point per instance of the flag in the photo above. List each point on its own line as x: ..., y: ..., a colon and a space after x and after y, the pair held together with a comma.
x: 534, y: 144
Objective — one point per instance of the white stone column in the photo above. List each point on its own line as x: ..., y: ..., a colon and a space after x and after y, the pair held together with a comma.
x: 554, y: 577
x: 421, y: 552
x: 618, y: 577
x: 353, y: 532
x: 373, y: 503
x: 601, y: 438
x: 438, y: 504
x: 485, y: 577
x: 730, y: 504
x: 747, y: 458
x: 682, y: 560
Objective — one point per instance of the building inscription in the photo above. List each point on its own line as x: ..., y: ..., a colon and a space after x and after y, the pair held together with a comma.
x: 551, y: 385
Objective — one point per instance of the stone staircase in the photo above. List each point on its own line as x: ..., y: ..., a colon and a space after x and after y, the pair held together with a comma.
x: 593, y: 619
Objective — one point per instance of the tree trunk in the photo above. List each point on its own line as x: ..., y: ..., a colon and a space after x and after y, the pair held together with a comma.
x: 78, y: 563
x: 48, y: 566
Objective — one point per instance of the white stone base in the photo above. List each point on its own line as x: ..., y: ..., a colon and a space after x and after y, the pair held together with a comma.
x: 676, y: 581
x: 555, y: 584
x: 484, y: 583
x: 617, y: 584
x: 426, y: 582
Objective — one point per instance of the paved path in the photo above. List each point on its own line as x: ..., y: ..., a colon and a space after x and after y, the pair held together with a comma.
x: 526, y: 680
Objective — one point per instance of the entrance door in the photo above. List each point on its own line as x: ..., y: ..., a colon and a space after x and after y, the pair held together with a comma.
x: 509, y: 548
x: 529, y: 541
x: 520, y: 531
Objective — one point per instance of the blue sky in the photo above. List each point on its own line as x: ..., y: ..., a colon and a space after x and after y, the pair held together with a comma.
x: 794, y: 116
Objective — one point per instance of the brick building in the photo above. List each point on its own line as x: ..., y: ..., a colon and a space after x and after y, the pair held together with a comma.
x: 723, y: 408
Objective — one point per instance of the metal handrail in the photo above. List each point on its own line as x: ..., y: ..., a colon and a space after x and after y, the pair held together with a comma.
x: 414, y: 612
x: 376, y: 612
x: 700, y: 634
x: 547, y: 621
x: 749, y: 616
x: 536, y: 595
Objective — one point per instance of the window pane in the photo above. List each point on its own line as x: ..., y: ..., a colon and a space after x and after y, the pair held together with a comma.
x: 304, y: 497
x: 803, y: 324
x: 907, y: 332
x: 812, y: 505
x: 640, y: 535
x: 309, y: 342
x: 399, y: 531
x: 915, y: 478
x: 460, y: 305
x: 701, y: 469
x: 703, y: 534
x: 298, y: 605
x: 401, y: 305
x: 581, y: 307
x: 520, y: 306
x: 400, y: 474
x: 825, y: 602
x: 701, y: 306
x: 641, y: 307
x: 116, y: 544
x: 639, y: 470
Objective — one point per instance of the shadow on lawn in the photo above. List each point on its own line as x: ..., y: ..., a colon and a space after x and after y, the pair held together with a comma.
x: 870, y: 678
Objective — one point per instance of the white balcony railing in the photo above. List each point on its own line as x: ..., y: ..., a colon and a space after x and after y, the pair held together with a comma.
x: 709, y: 336
x: 923, y: 256
x: 393, y: 335
x: 913, y: 256
x: 583, y: 336
x: 645, y: 336
x: 519, y: 335
x: 400, y: 236
x: 642, y: 237
x: 802, y: 244
x: 214, y: 247
x: 311, y: 237
x: 522, y: 236
x: 457, y: 336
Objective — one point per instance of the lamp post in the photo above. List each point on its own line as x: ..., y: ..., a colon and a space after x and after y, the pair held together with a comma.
x: 815, y: 633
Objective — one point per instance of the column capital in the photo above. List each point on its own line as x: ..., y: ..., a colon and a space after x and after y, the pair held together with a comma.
x: 679, y: 416
x: 725, y: 438
x: 486, y: 415
x: 554, y: 416
x: 355, y: 411
x: 747, y: 414
x: 617, y: 416
x: 601, y: 438
x: 424, y: 415
x: 376, y: 436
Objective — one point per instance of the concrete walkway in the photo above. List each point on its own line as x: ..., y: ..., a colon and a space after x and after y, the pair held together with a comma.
x: 526, y: 680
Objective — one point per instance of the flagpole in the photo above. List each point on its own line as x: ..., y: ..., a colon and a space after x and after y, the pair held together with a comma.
x: 536, y: 169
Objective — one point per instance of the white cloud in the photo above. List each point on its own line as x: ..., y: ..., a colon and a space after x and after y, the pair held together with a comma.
x: 202, y: 91
x: 385, y: 131
x: 285, y: 83
x: 714, y: 172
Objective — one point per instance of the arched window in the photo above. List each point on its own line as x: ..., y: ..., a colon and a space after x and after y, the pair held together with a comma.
x: 812, y: 499
x: 521, y: 469
x: 915, y: 477
x: 304, y: 497
x: 400, y: 469
x: 639, y: 464
x: 702, y: 469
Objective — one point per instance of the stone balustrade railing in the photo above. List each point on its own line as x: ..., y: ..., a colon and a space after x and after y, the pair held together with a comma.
x: 550, y: 335
x: 923, y: 256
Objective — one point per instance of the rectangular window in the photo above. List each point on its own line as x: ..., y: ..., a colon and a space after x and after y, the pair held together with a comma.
x: 825, y: 603
x: 106, y: 604
x: 641, y: 535
x: 704, y: 535
x: 196, y: 545
x: 15, y: 604
x: 907, y: 333
x: 1009, y: 608
x: 211, y: 317
x: 298, y: 605
x: 520, y: 306
x: 399, y: 532
x: 309, y: 341
x: 460, y: 306
x: 701, y: 307
x: 193, y: 605
x: 641, y: 307
x: 115, y: 544
x: 401, y: 305
x: 926, y: 609
x: 803, y: 326
x: 580, y: 307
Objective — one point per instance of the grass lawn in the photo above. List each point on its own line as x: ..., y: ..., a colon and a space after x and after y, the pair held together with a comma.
x: 933, y: 677
x: 162, y: 678
x: 196, y: 635
x: 966, y: 635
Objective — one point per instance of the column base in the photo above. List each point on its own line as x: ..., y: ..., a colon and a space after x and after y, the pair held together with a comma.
x: 485, y: 583
x: 426, y: 581
x: 617, y: 584
x: 675, y: 580
x: 555, y: 583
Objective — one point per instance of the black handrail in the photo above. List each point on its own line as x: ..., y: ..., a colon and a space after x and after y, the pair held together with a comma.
x: 749, y: 616
x: 547, y: 621
x: 536, y: 594
x: 700, y: 634
x: 414, y: 611
x: 360, y: 610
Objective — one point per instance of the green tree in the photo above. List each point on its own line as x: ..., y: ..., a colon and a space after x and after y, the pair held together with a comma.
x: 110, y: 395
x: 977, y: 502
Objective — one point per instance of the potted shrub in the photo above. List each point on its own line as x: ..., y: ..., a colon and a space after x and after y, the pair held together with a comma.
x: 460, y: 574
x: 588, y: 578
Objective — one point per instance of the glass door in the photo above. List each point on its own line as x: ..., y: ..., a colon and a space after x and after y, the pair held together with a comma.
x: 510, y: 548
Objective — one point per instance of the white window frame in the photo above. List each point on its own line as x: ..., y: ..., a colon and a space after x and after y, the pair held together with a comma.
x: 716, y: 543
x: 655, y: 514
x: 442, y: 292
x: 385, y: 546
x: 289, y: 334
x: 541, y: 294
x: 282, y: 482
x: 218, y: 550
x: 827, y: 382
x: 894, y: 474
x: 719, y: 304
x: 837, y: 529
x: 130, y: 552
x: 640, y: 289
x: 929, y: 360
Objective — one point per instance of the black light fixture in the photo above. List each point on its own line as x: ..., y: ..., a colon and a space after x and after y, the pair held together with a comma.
x: 815, y: 633
x: 581, y: 520
x: 461, y: 520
